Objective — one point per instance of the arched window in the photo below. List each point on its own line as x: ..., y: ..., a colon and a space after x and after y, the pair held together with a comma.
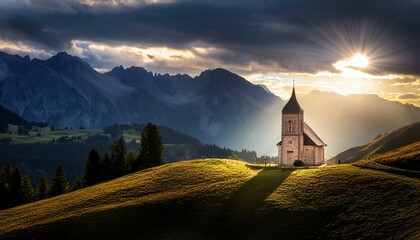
x: 290, y: 127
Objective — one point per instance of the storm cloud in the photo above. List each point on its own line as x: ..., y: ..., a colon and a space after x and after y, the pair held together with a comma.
x: 299, y: 36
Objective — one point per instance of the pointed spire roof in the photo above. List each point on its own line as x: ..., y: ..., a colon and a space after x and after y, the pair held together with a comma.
x: 292, y: 106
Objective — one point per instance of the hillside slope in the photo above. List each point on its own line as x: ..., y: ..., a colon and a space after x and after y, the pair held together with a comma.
x: 223, y: 199
x: 9, y: 117
x: 399, y: 138
x: 407, y: 157
x: 39, y: 152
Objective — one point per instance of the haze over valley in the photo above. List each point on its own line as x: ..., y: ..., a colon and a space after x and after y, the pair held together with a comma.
x: 216, y: 106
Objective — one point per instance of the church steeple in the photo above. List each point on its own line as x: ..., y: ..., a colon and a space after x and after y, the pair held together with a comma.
x: 292, y: 106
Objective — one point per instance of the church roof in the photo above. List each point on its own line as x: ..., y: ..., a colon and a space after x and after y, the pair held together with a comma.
x: 310, y: 137
x: 292, y: 106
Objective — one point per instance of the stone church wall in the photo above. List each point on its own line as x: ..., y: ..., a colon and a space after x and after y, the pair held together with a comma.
x: 289, y: 149
x: 308, y: 154
x: 319, y: 155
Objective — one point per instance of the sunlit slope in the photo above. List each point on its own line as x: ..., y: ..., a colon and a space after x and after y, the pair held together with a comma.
x: 223, y: 199
x: 399, y: 138
x: 172, y: 182
x: 359, y: 203
x: 407, y: 157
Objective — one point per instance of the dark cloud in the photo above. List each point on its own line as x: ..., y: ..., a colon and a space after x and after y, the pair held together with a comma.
x: 408, y: 79
x: 305, y: 36
x: 410, y: 96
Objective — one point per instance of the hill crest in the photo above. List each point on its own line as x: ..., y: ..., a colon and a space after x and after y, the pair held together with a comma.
x: 391, y: 141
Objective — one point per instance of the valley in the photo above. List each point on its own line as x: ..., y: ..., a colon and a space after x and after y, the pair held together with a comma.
x: 216, y: 106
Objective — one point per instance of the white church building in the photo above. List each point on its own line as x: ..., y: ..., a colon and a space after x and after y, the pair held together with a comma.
x: 298, y: 140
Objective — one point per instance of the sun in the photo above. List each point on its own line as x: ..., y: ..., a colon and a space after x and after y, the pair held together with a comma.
x: 359, y: 61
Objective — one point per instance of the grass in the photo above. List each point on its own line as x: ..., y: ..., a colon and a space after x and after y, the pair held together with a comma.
x: 407, y: 157
x: 226, y: 199
x: 362, y: 203
x: 404, y: 160
x: 46, y: 134
x: 168, y: 183
x: 130, y: 134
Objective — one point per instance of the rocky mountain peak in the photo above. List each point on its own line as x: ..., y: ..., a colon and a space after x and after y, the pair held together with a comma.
x: 68, y: 63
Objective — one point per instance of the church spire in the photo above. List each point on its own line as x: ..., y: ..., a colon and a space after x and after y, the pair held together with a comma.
x: 292, y: 106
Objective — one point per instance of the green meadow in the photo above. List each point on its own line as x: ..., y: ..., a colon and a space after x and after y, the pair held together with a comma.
x: 39, y: 135
x: 45, y: 134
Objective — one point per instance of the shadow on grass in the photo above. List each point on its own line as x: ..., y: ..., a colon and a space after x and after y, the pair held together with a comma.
x: 251, y: 196
x: 241, y: 216
x: 237, y: 214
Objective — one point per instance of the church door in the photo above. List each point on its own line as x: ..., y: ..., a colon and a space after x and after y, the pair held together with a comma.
x: 290, y: 156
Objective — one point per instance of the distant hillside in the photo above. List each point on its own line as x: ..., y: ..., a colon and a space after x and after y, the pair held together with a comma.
x: 40, y: 150
x: 9, y: 117
x: 224, y: 199
x: 399, y: 138
x: 407, y: 157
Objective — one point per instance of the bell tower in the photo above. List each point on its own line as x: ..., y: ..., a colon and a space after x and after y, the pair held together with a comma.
x: 291, y: 146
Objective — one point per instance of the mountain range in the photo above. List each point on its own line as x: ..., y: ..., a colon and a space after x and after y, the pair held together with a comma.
x: 216, y: 106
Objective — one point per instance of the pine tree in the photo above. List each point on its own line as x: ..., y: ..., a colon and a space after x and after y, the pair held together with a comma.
x: 6, y: 172
x: 106, y: 168
x: 16, y: 196
x: 43, y: 189
x: 151, y: 147
x: 131, y: 162
x: 15, y: 187
x: 4, y: 195
x: 92, y: 172
x: 5, y: 177
x: 77, y: 184
x: 59, y: 183
x: 28, y: 194
x: 118, y: 152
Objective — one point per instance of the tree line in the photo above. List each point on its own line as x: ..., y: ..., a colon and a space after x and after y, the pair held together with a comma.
x: 40, y: 159
x: 100, y: 168
x: 16, y: 187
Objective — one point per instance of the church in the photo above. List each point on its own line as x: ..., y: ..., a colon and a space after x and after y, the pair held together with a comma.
x: 298, y: 140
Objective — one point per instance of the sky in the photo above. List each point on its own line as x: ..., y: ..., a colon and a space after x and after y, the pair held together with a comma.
x: 350, y: 47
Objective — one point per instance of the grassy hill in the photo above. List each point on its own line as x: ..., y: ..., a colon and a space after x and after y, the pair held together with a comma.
x: 399, y: 138
x: 407, y: 157
x: 226, y: 199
